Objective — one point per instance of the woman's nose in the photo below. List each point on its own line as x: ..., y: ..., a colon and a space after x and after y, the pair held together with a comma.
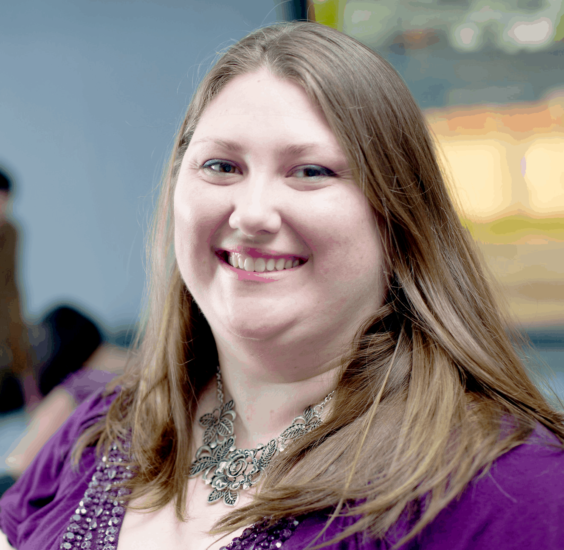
x: 256, y: 209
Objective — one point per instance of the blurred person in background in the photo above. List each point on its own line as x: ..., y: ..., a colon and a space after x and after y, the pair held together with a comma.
x: 49, y: 368
x: 70, y: 361
x: 15, y: 364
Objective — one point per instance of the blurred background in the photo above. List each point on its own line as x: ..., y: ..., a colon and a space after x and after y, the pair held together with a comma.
x: 91, y: 95
x: 489, y: 76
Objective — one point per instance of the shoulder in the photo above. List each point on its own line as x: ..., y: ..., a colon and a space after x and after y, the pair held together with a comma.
x: 518, y: 502
x: 94, y: 407
x: 531, y: 473
x: 35, y: 509
x: 90, y: 411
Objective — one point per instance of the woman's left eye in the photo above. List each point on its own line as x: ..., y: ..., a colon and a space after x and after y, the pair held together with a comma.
x: 220, y: 167
x: 312, y: 171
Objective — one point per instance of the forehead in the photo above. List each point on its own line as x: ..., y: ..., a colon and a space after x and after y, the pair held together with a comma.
x: 262, y: 106
x: 262, y: 91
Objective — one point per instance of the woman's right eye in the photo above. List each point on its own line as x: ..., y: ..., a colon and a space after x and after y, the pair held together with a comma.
x: 221, y: 167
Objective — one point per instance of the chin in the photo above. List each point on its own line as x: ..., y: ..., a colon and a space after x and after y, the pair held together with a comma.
x: 253, y: 328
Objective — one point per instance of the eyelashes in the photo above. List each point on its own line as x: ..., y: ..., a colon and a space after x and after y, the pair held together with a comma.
x: 221, y: 167
x: 314, y: 171
x: 307, y: 171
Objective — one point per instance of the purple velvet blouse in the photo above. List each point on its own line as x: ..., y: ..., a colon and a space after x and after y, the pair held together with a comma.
x: 518, y: 504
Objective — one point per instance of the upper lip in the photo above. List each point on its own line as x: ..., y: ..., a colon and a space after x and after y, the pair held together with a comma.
x: 255, y: 252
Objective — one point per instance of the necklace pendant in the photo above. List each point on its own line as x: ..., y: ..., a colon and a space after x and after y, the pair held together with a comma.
x: 227, y: 469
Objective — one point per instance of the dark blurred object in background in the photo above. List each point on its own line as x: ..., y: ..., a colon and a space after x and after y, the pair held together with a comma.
x: 292, y: 10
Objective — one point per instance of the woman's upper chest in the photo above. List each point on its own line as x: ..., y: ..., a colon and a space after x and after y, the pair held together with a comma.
x: 103, y: 521
x: 162, y: 529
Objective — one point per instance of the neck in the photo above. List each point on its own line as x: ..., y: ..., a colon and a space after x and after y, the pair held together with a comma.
x: 270, y: 386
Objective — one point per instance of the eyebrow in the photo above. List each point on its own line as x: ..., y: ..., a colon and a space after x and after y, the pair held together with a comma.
x: 237, y: 148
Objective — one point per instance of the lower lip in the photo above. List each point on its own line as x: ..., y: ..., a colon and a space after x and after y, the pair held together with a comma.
x: 256, y: 276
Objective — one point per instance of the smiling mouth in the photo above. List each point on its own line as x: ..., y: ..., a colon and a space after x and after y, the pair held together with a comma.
x: 244, y: 262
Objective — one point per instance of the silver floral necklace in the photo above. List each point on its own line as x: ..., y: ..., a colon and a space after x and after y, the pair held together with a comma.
x: 228, y: 469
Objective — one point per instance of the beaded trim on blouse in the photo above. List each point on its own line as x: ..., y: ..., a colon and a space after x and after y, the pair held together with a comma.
x: 96, y: 523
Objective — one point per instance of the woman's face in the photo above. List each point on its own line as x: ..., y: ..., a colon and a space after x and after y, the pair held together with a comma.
x: 273, y: 238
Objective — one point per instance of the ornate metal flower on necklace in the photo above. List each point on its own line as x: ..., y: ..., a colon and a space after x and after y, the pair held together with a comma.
x: 227, y: 469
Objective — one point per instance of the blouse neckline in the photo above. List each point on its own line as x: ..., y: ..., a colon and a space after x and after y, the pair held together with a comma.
x: 96, y: 522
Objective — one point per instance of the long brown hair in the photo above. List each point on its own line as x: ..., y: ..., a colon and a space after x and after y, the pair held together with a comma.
x: 432, y: 383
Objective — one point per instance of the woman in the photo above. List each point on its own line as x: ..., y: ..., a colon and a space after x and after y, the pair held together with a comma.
x: 306, y: 253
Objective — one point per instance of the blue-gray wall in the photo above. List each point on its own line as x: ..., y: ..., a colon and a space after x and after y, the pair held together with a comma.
x: 91, y: 93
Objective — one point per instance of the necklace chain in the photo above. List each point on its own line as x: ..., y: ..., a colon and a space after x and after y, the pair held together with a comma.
x: 228, y: 469
x: 219, y: 386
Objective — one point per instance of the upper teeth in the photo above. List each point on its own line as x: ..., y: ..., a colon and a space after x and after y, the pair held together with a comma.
x: 247, y: 263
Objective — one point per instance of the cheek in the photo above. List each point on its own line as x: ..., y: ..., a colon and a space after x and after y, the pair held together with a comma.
x: 184, y: 224
x: 191, y: 234
x: 196, y: 214
x: 350, y: 244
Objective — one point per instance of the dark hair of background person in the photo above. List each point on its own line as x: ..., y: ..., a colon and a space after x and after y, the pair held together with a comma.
x: 70, y: 339
x: 5, y: 182
x: 432, y: 390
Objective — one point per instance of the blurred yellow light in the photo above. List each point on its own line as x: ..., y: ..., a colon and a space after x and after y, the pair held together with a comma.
x: 544, y: 174
x: 481, y: 184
